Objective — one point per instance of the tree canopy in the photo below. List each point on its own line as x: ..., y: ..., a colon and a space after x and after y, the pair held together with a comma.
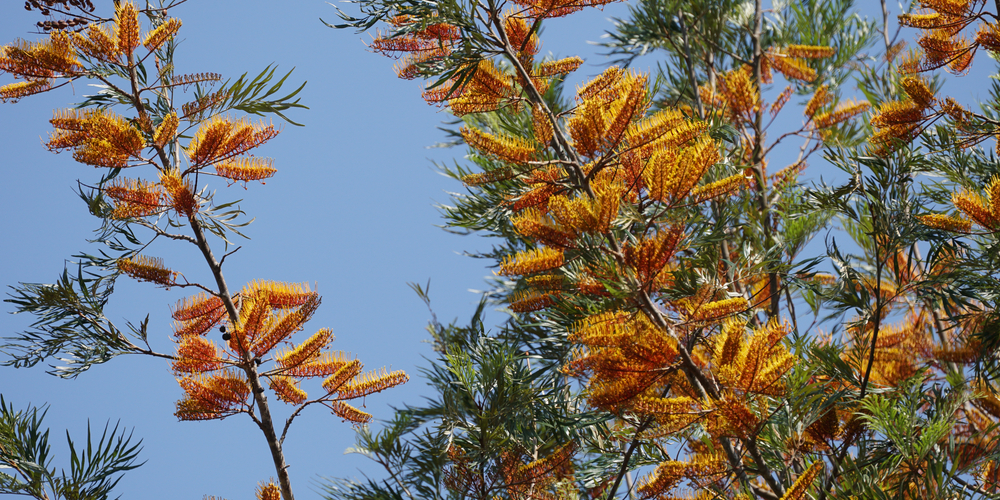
x: 687, y: 314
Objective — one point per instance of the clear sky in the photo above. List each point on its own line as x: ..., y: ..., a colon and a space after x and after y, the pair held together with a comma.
x: 351, y: 209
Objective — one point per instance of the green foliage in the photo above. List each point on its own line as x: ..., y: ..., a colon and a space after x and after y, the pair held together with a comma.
x: 252, y: 95
x: 493, y: 394
x: 25, y: 461
x: 71, y: 325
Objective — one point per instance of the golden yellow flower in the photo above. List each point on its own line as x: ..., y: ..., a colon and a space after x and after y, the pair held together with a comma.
x: 126, y: 27
x: 161, y: 34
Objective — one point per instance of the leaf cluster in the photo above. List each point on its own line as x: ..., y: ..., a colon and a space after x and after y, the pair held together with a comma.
x: 25, y: 458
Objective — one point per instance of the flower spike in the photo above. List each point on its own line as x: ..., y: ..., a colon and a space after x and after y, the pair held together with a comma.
x: 197, y: 354
x: 246, y: 169
x: 50, y: 58
x: 145, y: 268
x: 134, y: 198
x: 182, y: 197
x: 810, y: 51
x: 97, y: 42
x: 370, y: 383
x: 195, y: 307
x: 161, y: 34
x: 268, y: 491
x: 126, y: 27
x: 223, y: 138
x: 511, y: 149
x: 306, y: 351
x: 802, y: 484
x: 287, y: 389
x: 17, y: 90
x: 345, y: 373
x: 166, y: 130
x: 350, y: 413
x: 212, y: 397
x: 531, y: 261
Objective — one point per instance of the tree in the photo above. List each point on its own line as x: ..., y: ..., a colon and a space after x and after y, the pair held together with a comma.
x: 657, y: 264
x: 179, y: 146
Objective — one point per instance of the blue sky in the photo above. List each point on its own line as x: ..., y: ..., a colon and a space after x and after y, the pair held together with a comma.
x: 351, y: 209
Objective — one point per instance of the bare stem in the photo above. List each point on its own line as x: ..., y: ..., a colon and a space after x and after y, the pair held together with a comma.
x: 627, y: 458
x: 758, y: 156
x: 885, y: 26
x: 690, y: 66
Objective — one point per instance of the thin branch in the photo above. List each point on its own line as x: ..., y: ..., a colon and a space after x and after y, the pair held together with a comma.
x: 796, y: 133
x: 885, y: 26
x: 690, y: 66
x: 288, y: 421
x: 160, y: 232
x: 223, y: 259
x: 757, y: 158
x: 150, y: 352
x: 378, y: 458
x: 878, y: 317
x: 613, y: 492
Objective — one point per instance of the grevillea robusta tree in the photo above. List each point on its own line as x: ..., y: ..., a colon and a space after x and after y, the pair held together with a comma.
x: 668, y: 315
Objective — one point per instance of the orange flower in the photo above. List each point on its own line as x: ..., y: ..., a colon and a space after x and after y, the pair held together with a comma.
x: 792, y: 67
x: 287, y: 389
x: 133, y: 198
x: 510, y: 149
x: 182, y: 197
x: 126, y: 27
x: 97, y: 42
x: 917, y: 89
x: 268, y: 491
x: 370, y: 383
x: 977, y: 208
x: 810, y: 51
x: 214, y: 396
x: 844, y: 112
x: 246, y: 169
x: 145, y: 268
x: 196, y: 354
x: 945, y: 222
x: 165, y: 131
x: 50, y: 58
x: 531, y: 301
x: 341, y: 376
x: 161, y: 34
x: 721, y: 187
x: 17, y: 90
x: 559, y: 67
x: 306, y: 351
x: 925, y: 21
x: 531, y: 261
x: 221, y: 138
x: 804, y: 482
x: 349, y: 413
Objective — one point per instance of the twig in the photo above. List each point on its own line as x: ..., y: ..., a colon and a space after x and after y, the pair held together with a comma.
x: 223, y: 259
x: 690, y: 66
x: 613, y: 492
